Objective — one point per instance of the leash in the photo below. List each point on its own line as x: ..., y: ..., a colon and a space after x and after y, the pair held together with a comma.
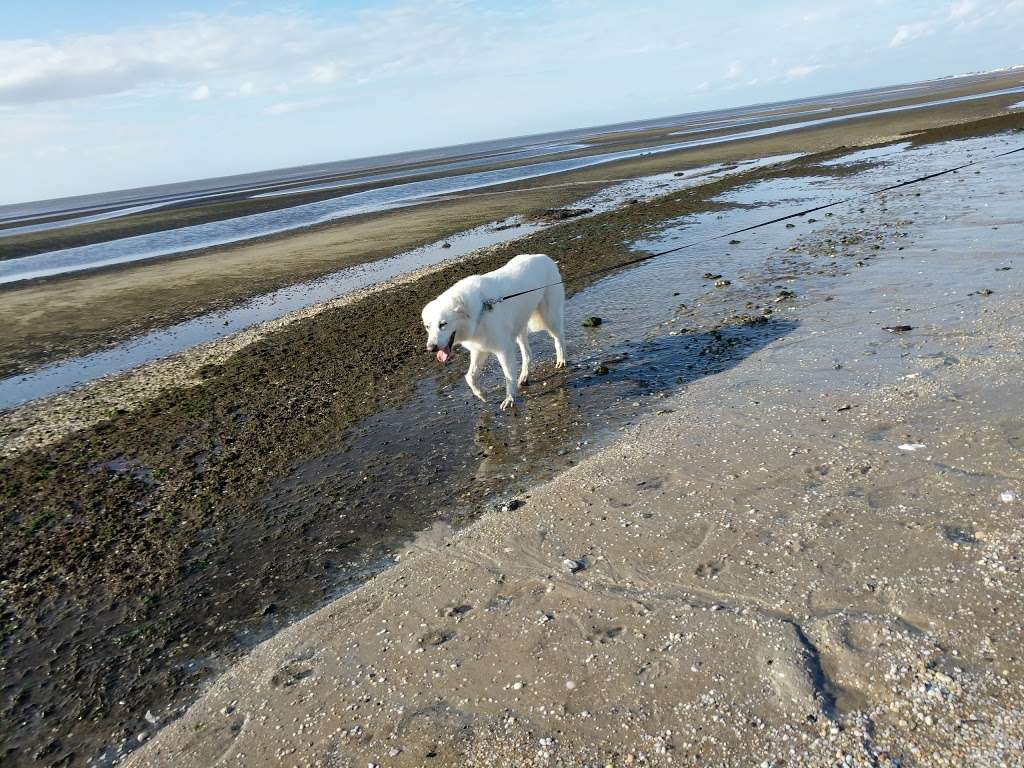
x: 489, y: 304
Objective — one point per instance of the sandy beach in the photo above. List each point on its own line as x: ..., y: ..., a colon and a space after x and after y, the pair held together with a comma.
x: 811, y: 559
x: 748, y: 526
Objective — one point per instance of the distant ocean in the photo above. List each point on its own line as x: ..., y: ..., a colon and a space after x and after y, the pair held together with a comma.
x: 482, y: 151
x: 410, y: 177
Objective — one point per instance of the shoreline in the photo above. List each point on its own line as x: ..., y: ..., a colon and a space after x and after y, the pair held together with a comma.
x: 601, y: 140
x: 166, y: 291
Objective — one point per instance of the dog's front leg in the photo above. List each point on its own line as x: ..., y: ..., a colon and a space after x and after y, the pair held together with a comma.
x: 476, y: 367
x: 505, y: 361
x: 524, y: 349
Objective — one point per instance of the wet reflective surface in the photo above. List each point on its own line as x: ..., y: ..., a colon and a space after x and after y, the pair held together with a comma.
x: 184, y: 239
x: 62, y: 375
x: 255, y: 225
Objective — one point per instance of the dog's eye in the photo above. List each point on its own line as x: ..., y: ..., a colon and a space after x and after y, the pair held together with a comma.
x: 442, y: 324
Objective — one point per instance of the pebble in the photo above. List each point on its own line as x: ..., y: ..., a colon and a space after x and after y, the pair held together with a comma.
x: 574, y: 566
x: 1007, y: 497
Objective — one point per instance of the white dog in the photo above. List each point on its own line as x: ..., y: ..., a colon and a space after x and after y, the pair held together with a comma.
x: 476, y: 314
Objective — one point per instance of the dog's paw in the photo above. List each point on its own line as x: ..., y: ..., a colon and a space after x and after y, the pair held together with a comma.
x: 475, y: 389
x: 560, y: 364
x: 508, y: 402
x: 523, y: 380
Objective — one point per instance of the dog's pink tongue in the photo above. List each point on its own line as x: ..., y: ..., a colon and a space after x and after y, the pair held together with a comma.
x: 442, y: 355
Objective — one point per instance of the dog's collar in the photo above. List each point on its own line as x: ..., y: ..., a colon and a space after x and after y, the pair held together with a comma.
x: 489, y: 304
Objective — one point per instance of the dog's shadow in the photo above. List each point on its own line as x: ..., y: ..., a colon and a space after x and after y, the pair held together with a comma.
x: 560, y: 411
x: 666, y: 364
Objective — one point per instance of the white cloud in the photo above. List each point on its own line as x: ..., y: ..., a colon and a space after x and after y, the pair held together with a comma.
x: 962, y: 9
x: 186, y: 48
x: 827, y: 13
x: 17, y: 129
x: 49, y: 151
x: 247, y: 88
x: 962, y: 16
x: 910, y: 32
x: 200, y: 93
x: 803, y: 70
x: 286, y: 107
x: 325, y: 74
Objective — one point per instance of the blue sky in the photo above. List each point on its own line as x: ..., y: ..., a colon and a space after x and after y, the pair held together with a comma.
x: 106, y: 94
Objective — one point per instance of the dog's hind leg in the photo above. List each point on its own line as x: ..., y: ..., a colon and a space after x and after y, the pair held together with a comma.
x: 523, y: 340
x: 477, y: 359
x: 551, y: 317
x: 505, y: 361
x: 556, y: 335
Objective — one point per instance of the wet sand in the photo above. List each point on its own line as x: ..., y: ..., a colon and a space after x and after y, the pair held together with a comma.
x: 149, y: 549
x: 812, y: 558
x: 95, y: 310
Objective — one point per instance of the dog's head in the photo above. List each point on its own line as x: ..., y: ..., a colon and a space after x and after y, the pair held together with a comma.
x: 447, y: 319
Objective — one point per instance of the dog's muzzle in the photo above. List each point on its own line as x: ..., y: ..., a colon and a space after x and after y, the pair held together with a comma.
x: 442, y: 353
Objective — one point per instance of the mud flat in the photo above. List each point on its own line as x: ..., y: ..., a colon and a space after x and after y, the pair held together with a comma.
x: 94, y: 310
x: 157, y: 530
x: 812, y: 558
x: 150, y: 210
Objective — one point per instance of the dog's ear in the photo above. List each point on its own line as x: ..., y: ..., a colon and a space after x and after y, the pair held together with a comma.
x: 459, y: 306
